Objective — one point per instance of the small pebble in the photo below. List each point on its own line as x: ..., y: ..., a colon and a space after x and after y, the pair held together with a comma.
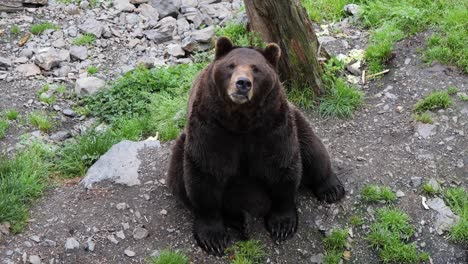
x: 129, y: 253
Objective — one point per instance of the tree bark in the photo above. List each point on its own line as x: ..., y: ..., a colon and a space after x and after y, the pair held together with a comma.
x: 286, y: 23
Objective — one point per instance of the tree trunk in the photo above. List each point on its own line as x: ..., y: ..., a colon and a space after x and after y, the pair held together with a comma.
x: 286, y: 22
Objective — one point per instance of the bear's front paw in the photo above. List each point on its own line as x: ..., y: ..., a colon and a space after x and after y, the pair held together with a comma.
x: 211, y: 236
x: 282, y: 226
x: 330, y: 191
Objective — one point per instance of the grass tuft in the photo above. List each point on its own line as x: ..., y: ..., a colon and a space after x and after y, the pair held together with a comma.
x: 12, y: 114
x: 170, y: 257
x: 433, y: 101
x: 92, y: 70
x: 237, y: 32
x: 423, y: 118
x: 250, y: 251
x: 334, y: 245
x: 303, y: 98
x: 429, y: 189
x: 84, y: 40
x: 22, y: 179
x: 15, y: 30
x: 451, y: 90
x: 457, y: 199
x: 341, y: 101
x: 38, y: 29
x: 42, y: 121
x: 356, y: 220
x: 374, y: 193
x: 463, y: 97
x: 3, y: 128
x: 329, y: 10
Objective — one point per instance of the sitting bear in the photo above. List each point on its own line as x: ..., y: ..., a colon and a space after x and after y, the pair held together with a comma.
x: 245, y: 150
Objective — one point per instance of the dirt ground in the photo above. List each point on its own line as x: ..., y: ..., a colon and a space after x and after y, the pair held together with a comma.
x: 380, y: 145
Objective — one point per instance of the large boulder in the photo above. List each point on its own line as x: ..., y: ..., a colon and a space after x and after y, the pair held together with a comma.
x: 89, y: 85
x: 50, y: 58
x: 167, y: 7
x: 163, y: 31
x: 92, y: 26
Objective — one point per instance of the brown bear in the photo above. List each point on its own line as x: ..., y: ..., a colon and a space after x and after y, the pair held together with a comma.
x: 245, y: 150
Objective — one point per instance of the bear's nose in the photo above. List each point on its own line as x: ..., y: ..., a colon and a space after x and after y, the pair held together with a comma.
x: 243, y: 84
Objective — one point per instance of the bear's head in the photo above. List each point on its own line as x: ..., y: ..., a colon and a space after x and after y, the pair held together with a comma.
x: 243, y: 75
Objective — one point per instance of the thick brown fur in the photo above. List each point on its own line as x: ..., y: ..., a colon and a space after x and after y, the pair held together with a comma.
x: 245, y: 150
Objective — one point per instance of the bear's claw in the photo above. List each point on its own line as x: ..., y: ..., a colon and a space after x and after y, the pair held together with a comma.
x: 282, y: 226
x: 331, y: 192
x: 211, y: 238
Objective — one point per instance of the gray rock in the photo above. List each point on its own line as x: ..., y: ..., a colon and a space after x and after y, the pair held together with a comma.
x: 132, y: 19
x: 326, y: 39
x: 69, y: 112
x: 175, y: 50
x: 88, y: 85
x: 204, y: 35
x: 189, y: 2
x: 123, y: 5
x: 63, y: 71
x: 352, y: 9
x: 355, y: 68
x: 195, y: 18
x: 112, y: 239
x: 28, y: 53
x: 139, y: 233
x: 84, y: 4
x: 129, y: 253
x: 27, y: 244
x: 148, y: 11
x: 120, y: 234
x: 92, y: 26
x: 426, y: 130
x: 59, y: 43
x: 215, y: 10
x: 445, y: 218
x: 317, y: 258
x: 34, y: 259
x: 182, y: 26
x: 50, y: 58
x: 120, y: 164
x: 5, y: 62
x: 121, y: 206
x: 400, y: 193
x: 434, y: 184
x: 79, y: 52
x: 72, y: 9
x: 49, y: 243
x: 416, y: 181
x: 146, y: 62
x: 90, y: 245
x: 163, y: 31
x: 30, y: 69
x: 72, y: 244
x: 166, y: 7
x: 35, y: 238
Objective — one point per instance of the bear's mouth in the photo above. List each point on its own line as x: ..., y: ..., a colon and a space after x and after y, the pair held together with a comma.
x: 239, y: 98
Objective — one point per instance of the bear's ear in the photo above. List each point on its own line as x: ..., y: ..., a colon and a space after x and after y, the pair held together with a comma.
x: 272, y: 53
x: 223, y: 46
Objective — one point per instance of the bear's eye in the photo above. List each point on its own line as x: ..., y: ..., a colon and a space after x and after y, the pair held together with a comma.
x: 232, y: 66
x: 255, y: 69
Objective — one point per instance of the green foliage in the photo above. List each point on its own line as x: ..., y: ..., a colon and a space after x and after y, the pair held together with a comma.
x: 423, y: 118
x: 168, y: 114
x: 22, y: 179
x: 92, y: 70
x: 3, y: 128
x: 130, y: 95
x: 12, y: 114
x: 38, y: 29
x: 334, y: 245
x: 84, y: 40
x: 250, y: 251
x: 380, y: 46
x: 303, y: 98
x: 15, y: 30
x: 451, y: 90
x: 463, y: 97
x: 356, y: 220
x: 374, y: 193
x: 170, y: 257
x: 388, y: 234
x: 341, y: 100
x: 430, y: 189
x: 42, y: 121
x: 457, y: 199
x: 329, y: 10
x: 237, y: 32
x: 433, y: 101
x: 61, y: 89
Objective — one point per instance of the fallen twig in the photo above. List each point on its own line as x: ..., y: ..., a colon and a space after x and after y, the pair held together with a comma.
x: 377, y: 74
x: 24, y: 39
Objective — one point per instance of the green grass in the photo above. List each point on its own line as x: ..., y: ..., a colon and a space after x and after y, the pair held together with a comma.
x: 463, y: 97
x: 84, y: 40
x: 423, y: 118
x: 374, y: 193
x: 168, y: 114
x: 15, y: 30
x: 41, y: 121
x: 38, y: 29
x: 451, y: 90
x: 433, y: 101
x: 12, y: 114
x: 334, y: 245
x: 92, y: 70
x: 170, y: 257
x: 389, y: 234
x: 356, y: 220
x: 61, y: 89
x: 237, y: 32
x: 457, y: 199
x: 329, y: 10
x: 340, y: 100
x: 23, y: 178
x: 250, y: 251
x: 303, y: 98
x: 3, y: 128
